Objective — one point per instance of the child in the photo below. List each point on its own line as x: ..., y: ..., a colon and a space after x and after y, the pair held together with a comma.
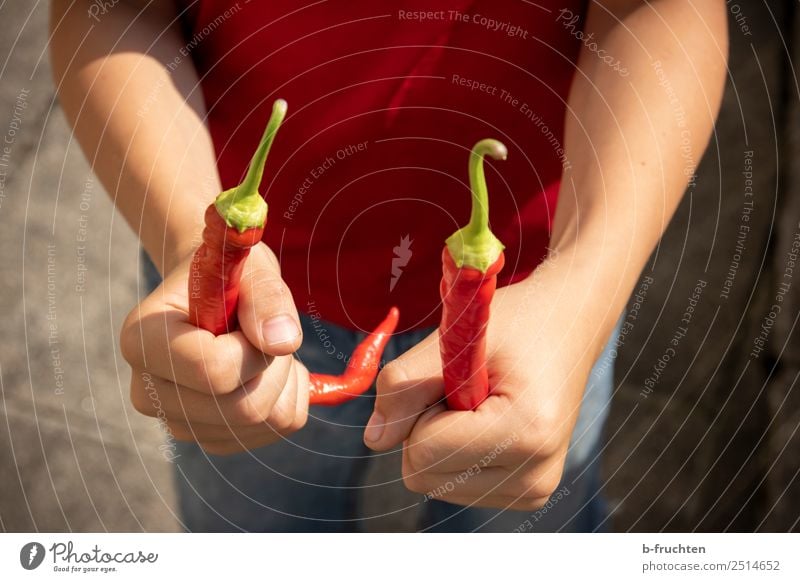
x: 365, y: 181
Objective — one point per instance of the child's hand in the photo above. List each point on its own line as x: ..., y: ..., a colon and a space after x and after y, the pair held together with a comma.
x: 228, y: 393
x: 509, y: 453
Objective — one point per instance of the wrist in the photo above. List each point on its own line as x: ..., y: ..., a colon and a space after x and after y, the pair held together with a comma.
x: 173, y: 248
x: 581, y: 294
x: 176, y: 253
x: 171, y: 234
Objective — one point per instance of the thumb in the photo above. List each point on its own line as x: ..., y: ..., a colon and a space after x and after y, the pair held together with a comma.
x: 407, y: 387
x: 266, y: 310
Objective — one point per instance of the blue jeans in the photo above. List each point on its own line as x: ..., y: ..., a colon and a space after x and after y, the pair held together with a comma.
x: 314, y: 480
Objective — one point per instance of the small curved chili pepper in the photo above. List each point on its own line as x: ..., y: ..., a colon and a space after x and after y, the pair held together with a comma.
x: 361, y: 369
x: 471, y: 260
x: 234, y: 223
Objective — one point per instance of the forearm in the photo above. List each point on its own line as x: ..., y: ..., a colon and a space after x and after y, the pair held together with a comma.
x: 632, y: 142
x: 152, y: 152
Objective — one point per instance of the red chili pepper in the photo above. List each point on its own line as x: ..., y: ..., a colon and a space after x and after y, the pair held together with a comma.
x: 216, y: 271
x: 471, y: 260
x: 361, y: 369
x: 234, y: 223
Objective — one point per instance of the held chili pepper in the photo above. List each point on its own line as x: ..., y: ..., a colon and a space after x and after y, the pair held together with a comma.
x: 471, y: 260
x: 361, y: 369
x: 234, y: 223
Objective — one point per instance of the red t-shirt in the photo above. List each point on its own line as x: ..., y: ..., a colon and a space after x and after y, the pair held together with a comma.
x: 368, y: 174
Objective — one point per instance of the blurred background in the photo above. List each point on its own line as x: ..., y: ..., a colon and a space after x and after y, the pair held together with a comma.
x: 703, y: 440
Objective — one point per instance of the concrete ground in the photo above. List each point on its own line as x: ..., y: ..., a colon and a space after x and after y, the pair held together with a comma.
x: 710, y: 444
x: 74, y: 455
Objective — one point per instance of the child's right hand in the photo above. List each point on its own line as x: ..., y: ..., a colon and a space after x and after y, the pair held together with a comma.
x: 228, y: 393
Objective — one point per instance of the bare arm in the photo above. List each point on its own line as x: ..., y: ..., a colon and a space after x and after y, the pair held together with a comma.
x: 634, y: 140
x: 132, y: 95
x: 626, y: 174
x: 125, y: 87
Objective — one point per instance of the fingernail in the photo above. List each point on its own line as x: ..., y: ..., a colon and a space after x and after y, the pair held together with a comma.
x: 375, y: 427
x: 280, y: 330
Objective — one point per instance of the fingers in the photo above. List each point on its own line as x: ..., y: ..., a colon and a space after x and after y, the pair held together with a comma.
x: 498, y: 433
x: 303, y: 394
x: 267, y: 314
x: 527, y: 486
x: 501, y: 455
x: 256, y: 416
x: 158, y: 337
x: 499, y: 502
x: 220, y: 391
x: 251, y: 404
x: 286, y: 417
x: 406, y: 388
x: 212, y: 433
x: 238, y: 446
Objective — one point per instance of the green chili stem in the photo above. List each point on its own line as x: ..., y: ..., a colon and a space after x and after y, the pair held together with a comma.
x: 255, y: 171
x: 243, y: 207
x: 475, y: 245
x: 479, y: 218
